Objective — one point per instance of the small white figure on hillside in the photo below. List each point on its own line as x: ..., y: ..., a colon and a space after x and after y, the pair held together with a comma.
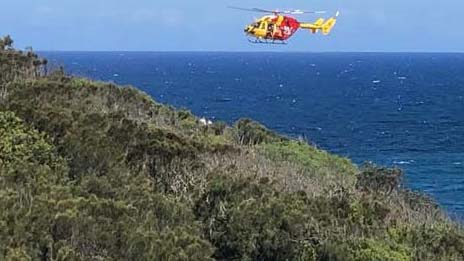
x: 205, y: 122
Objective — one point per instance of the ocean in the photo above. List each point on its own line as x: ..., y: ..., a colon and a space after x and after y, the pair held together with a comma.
x: 397, y: 109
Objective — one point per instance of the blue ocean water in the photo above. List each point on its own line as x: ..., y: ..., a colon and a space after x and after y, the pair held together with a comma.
x: 403, y: 110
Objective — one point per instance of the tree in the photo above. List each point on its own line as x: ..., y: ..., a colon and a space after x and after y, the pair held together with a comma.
x: 6, y: 43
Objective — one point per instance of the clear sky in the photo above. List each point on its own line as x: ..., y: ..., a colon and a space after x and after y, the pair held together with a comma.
x: 207, y: 25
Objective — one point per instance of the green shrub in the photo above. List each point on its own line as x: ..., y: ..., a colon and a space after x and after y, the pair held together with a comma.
x: 252, y: 133
x: 365, y: 250
x: 438, y: 241
x: 419, y: 201
x: 26, y: 157
x: 247, y: 220
x: 307, y: 156
x: 218, y: 128
x: 32, y: 176
x: 184, y: 114
x: 17, y: 254
x: 379, y: 180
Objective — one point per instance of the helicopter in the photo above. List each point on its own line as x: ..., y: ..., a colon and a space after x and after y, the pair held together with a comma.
x: 278, y: 26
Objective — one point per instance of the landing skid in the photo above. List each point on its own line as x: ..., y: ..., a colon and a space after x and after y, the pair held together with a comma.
x: 266, y: 41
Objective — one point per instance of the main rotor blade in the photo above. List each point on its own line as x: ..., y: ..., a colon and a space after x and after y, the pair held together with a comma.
x: 253, y: 9
x: 297, y: 11
x: 294, y: 12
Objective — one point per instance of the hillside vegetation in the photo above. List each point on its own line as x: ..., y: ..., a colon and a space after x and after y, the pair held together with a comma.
x: 95, y: 171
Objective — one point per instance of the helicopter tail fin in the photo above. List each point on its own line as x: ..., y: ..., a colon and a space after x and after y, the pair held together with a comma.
x: 317, y: 24
x: 329, y: 24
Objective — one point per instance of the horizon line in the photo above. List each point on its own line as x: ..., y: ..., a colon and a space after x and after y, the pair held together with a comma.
x: 239, y: 51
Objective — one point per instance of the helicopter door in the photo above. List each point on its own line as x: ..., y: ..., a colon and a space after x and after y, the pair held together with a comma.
x: 262, y: 30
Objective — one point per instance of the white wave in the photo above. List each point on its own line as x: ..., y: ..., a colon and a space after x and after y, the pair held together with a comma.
x: 403, y: 162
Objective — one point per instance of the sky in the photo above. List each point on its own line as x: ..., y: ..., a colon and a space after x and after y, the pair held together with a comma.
x: 208, y: 25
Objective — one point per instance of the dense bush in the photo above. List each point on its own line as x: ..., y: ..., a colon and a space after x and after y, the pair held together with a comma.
x: 248, y: 220
x: 249, y: 132
x: 94, y: 171
x: 379, y: 180
x: 51, y: 217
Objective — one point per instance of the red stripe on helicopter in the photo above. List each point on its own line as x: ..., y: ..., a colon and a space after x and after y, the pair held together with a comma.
x: 288, y: 26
